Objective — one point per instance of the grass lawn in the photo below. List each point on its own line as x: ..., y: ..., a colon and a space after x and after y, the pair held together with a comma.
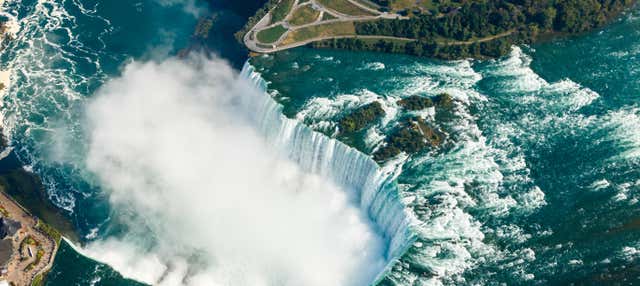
x: 326, y: 30
x: 304, y: 15
x: 403, y: 4
x: 281, y: 10
x: 368, y: 4
x: 326, y: 16
x: 271, y: 35
x: 344, y: 7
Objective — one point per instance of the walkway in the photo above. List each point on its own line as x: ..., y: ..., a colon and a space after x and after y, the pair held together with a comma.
x: 253, y: 44
x: 21, y: 268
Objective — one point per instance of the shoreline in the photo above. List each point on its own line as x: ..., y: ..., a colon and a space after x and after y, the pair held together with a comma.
x: 419, y: 34
x: 35, y: 234
x: 24, y: 268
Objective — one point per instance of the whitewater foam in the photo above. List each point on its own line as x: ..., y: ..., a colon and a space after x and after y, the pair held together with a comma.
x: 144, y: 257
x: 375, y: 187
x: 624, y: 124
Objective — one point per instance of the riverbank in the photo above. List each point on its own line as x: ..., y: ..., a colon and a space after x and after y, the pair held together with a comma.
x: 30, y: 244
x: 34, y: 245
x: 478, y: 29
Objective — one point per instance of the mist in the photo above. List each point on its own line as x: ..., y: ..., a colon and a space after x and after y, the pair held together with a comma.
x: 204, y: 199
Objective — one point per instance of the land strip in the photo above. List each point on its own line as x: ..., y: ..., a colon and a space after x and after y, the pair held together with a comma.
x: 269, y: 36
x: 34, y: 245
x: 442, y: 29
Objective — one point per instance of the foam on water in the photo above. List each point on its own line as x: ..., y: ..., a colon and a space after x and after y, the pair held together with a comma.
x: 473, y: 199
x: 322, y: 113
x: 61, y: 52
x: 436, y: 186
x: 376, y: 66
x: 326, y: 172
x: 623, y: 124
x: 483, y: 185
x: 374, y: 187
x: 47, y: 57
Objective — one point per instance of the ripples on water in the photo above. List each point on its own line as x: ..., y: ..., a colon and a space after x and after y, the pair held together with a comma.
x: 538, y: 174
x: 539, y: 183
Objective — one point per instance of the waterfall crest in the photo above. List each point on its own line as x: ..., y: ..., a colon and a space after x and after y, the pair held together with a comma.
x: 373, y: 187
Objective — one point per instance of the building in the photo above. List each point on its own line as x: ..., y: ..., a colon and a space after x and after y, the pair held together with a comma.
x: 8, y: 228
x: 6, y: 251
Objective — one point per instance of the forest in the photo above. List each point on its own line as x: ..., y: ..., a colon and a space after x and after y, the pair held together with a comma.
x: 482, y: 28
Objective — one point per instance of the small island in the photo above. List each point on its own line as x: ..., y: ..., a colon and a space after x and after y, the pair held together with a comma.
x: 445, y: 29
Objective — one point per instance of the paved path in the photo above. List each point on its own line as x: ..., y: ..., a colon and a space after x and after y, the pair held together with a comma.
x: 253, y: 44
x: 481, y: 40
x: 17, y: 267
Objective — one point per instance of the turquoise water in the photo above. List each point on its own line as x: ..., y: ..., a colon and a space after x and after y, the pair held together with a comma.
x: 72, y: 268
x: 538, y: 181
x: 63, y: 51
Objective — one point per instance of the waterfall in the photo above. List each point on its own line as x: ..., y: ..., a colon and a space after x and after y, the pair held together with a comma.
x: 374, y: 188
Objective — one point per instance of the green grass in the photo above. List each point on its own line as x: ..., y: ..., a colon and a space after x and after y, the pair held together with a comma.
x: 304, y: 15
x: 402, y: 4
x: 28, y: 191
x: 4, y: 211
x: 368, y: 4
x: 50, y: 231
x: 344, y: 7
x: 326, y: 30
x: 326, y: 16
x: 39, y: 279
x: 281, y: 10
x: 271, y: 35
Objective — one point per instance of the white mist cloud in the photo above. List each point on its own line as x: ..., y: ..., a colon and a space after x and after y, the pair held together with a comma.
x: 205, y: 199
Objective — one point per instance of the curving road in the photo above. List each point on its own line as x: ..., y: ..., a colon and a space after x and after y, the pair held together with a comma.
x: 252, y: 43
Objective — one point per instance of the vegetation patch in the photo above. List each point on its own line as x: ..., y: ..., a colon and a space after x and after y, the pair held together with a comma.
x: 416, y: 102
x: 319, y: 31
x: 444, y: 100
x: 39, y: 279
x: 281, y: 11
x: 253, y: 20
x: 28, y: 191
x: 364, y: 44
x: 412, y: 136
x: 203, y: 27
x: 368, y: 4
x: 28, y: 241
x: 49, y: 231
x: 483, y: 28
x: 4, y: 212
x: 402, y: 4
x: 344, y: 7
x: 361, y: 117
x: 326, y: 17
x: 39, y: 255
x: 304, y: 15
x: 449, y: 29
x: 271, y: 35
